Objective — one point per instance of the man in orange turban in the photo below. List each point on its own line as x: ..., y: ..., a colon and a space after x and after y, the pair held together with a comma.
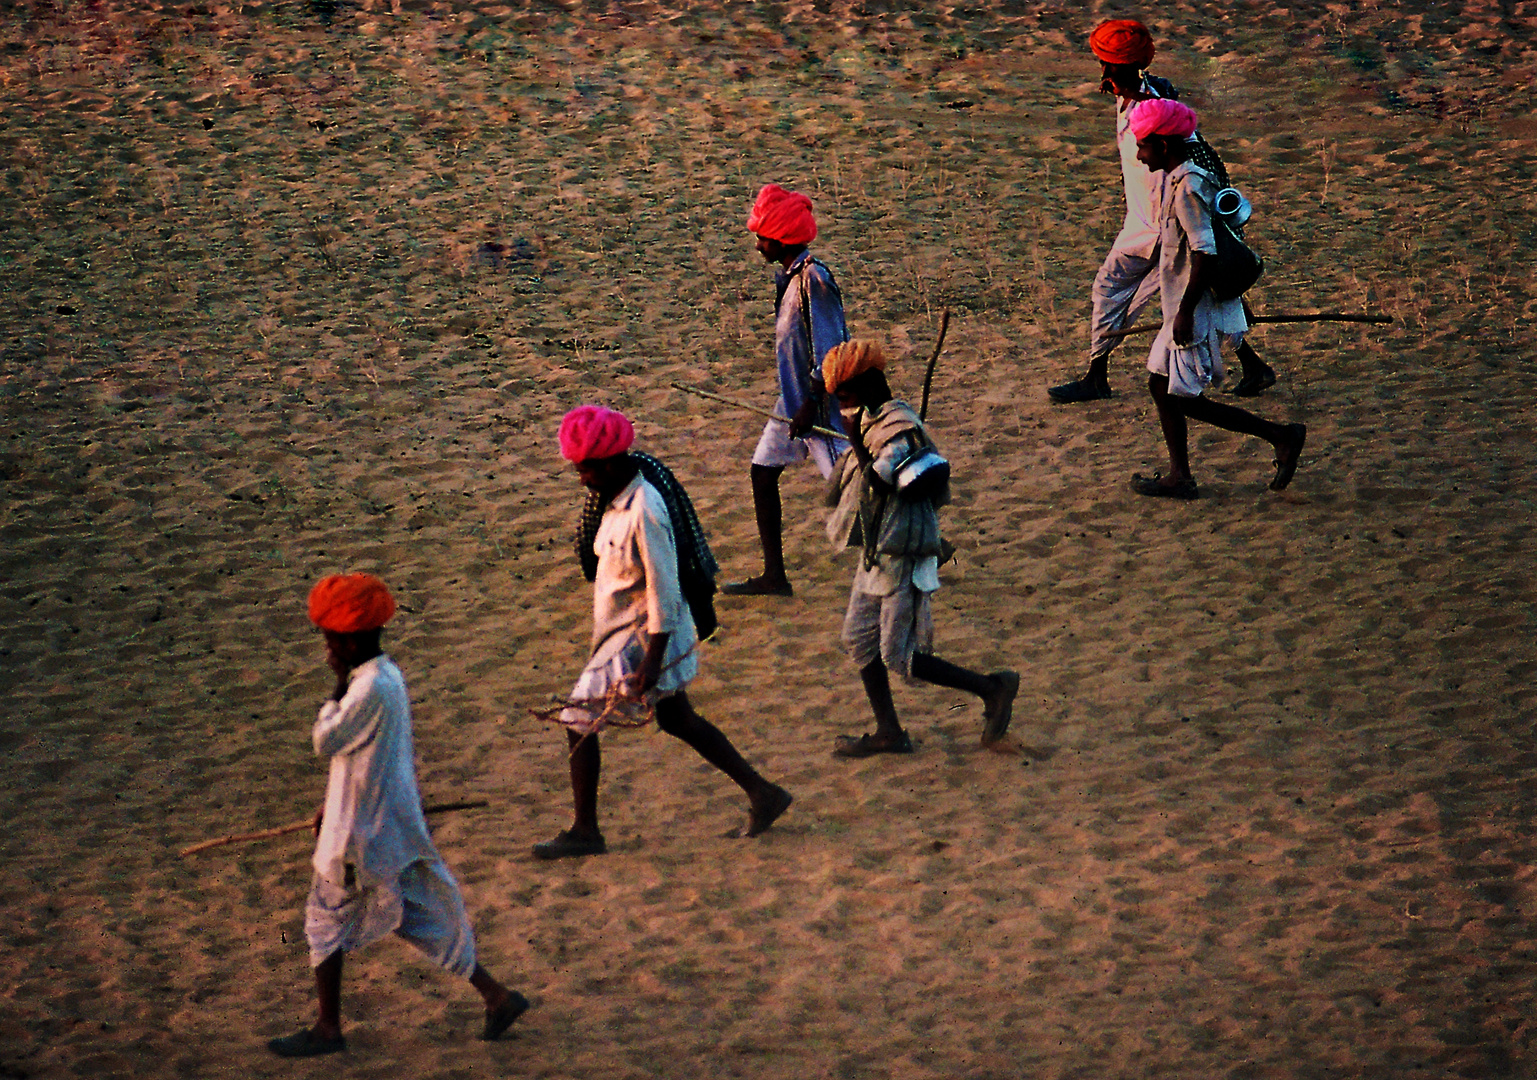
x: 376, y: 870
x: 808, y: 320
x: 1128, y: 278
x: 887, y: 494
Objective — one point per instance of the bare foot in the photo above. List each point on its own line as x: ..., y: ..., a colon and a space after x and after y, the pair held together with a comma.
x: 1287, y: 455
x: 998, y: 707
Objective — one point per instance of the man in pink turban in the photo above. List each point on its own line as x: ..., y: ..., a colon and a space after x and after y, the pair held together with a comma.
x: 808, y: 321
x: 376, y: 870
x: 1127, y: 280
x: 647, y: 556
x: 1186, y: 356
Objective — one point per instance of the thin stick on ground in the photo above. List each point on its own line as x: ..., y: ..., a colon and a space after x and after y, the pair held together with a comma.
x: 928, y: 375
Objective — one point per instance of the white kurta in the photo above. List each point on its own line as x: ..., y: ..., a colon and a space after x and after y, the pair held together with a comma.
x: 373, y: 813
x: 1139, y: 232
x: 1185, y: 226
x: 634, y: 596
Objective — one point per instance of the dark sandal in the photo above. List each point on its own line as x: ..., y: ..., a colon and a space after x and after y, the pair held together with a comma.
x: 566, y: 846
x: 1286, y: 468
x: 499, y: 1021
x: 1156, y: 488
x: 863, y: 746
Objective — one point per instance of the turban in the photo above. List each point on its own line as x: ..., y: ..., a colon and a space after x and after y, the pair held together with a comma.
x: 1122, y: 41
x: 348, y: 603
x: 1159, y: 116
x: 591, y: 431
x: 852, y: 358
x: 782, y: 215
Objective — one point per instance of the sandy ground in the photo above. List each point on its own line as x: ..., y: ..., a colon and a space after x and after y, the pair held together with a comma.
x: 297, y: 288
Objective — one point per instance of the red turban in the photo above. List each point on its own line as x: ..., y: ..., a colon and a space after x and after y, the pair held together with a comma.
x: 1122, y: 41
x: 591, y: 431
x: 1159, y: 116
x: 852, y: 358
x: 782, y: 215
x: 348, y: 603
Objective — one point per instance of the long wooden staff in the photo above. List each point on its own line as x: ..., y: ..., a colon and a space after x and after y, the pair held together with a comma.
x: 687, y: 389
x: 928, y: 376
x: 300, y: 826
x: 1299, y: 316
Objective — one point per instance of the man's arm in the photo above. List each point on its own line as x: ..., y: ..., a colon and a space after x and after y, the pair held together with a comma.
x: 1184, y: 319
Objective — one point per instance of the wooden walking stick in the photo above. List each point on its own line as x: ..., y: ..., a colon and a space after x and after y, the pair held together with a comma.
x: 687, y: 389
x: 1290, y: 317
x: 300, y: 826
x: 928, y: 376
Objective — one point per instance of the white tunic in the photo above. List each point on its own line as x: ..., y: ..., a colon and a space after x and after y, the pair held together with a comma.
x: 1185, y: 224
x: 373, y: 813
x: 1139, y: 233
x: 634, y: 596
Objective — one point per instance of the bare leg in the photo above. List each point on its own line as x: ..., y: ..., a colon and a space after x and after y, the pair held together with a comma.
x: 503, y: 1006
x: 932, y: 669
x: 1175, y: 430
x: 997, y: 690
x: 586, y: 765
x: 675, y: 715
x: 328, y: 993
x: 770, y: 514
x: 888, y: 729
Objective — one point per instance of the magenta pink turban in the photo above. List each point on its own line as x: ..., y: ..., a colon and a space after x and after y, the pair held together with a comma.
x: 589, y: 432
x: 1159, y: 116
x: 782, y: 215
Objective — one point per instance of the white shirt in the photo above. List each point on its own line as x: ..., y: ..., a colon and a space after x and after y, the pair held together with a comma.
x: 636, y: 589
x: 1139, y: 233
x: 373, y: 813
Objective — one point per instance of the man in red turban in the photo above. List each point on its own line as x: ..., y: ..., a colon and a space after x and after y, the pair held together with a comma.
x: 1128, y: 280
x: 376, y: 870
x: 644, y: 633
x: 808, y: 321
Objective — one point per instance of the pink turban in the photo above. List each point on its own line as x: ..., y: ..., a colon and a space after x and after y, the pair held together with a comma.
x: 1122, y: 41
x: 348, y: 603
x: 782, y: 215
x: 1159, y: 116
x: 589, y: 432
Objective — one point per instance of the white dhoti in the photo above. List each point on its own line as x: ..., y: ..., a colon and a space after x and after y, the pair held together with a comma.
x: 423, y: 906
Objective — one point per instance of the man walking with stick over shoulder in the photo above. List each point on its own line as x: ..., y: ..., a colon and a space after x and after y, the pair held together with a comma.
x: 376, y: 869
x: 808, y: 321
x: 1128, y: 278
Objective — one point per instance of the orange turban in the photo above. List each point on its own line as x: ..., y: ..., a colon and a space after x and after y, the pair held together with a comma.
x: 1122, y: 41
x: 852, y: 358
x: 348, y: 603
x: 589, y: 432
x: 782, y: 215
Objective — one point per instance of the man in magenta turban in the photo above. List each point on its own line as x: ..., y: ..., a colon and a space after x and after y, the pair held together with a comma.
x: 1186, y: 356
x: 808, y: 321
x: 1128, y: 280
x: 644, y: 634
